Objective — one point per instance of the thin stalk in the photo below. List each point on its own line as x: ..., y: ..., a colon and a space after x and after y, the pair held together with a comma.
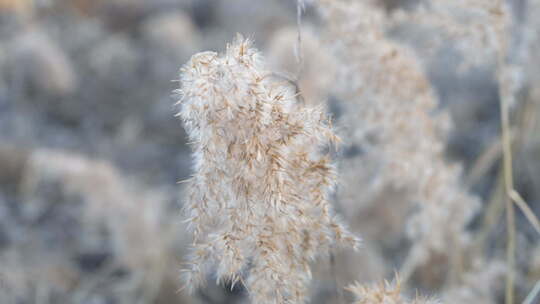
x: 509, y: 188
x: 333, y: 268
x: 533, y: 294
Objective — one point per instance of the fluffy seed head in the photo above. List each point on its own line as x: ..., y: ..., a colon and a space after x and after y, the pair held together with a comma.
x: 257, y: 202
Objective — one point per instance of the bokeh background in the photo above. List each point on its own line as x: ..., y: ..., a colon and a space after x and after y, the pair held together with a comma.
x: 91, y: 153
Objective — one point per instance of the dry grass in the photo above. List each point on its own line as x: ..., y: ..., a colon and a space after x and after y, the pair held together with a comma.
x: 384, y: 293
x: 435, y: 103
x: 258, y: 200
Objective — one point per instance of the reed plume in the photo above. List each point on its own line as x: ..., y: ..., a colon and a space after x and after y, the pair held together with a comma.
x: 258, y: 199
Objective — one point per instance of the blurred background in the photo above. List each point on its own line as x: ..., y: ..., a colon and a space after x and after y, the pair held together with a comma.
x: 91, y: 153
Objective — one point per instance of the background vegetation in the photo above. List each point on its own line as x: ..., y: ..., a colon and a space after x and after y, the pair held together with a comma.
x: 91, y: 153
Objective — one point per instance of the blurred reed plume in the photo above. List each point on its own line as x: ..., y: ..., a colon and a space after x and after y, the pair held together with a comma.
x: 391, y: 115
x: 258, y: 201
x: 384, y: 293
x: 99, y: 197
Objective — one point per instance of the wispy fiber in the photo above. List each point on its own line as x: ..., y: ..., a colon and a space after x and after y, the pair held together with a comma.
x: 257, y: 202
